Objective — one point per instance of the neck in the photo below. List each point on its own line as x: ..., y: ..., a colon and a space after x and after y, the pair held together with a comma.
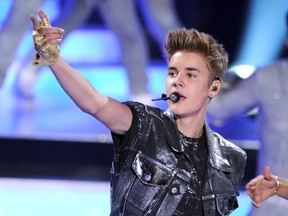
x: 190, y: 128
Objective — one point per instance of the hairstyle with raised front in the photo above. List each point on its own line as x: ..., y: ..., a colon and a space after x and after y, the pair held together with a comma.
x: 194, y: 41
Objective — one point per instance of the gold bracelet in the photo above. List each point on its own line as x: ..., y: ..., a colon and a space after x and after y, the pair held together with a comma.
x: 277, y: 184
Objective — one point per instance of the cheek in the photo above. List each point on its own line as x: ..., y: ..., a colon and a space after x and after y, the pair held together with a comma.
x: 168, y: 82
x: 198, y: 92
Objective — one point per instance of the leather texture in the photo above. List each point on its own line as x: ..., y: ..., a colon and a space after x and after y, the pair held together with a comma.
x: 147, y: 179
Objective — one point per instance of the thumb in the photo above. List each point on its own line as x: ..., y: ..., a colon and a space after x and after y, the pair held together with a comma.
x: 267, y: 173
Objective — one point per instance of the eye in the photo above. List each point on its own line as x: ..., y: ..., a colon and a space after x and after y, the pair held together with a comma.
x: 191, y: 75
x: 172, y: 73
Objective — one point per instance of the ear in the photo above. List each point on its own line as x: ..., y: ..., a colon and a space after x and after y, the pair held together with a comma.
x: 214, y: 88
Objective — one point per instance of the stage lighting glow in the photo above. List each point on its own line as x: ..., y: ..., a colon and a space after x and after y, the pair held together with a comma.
x: 243, y: 71
x: 4, y: 8
x: 265, y: 31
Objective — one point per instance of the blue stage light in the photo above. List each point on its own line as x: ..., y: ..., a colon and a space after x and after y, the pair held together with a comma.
x: 265, y: 31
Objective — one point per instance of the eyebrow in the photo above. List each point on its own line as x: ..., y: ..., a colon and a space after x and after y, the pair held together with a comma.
x: 192, y: 69
x: 186, y: 68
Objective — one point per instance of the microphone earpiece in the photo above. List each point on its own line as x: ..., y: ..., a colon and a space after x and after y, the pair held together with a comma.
x: 214, y: 86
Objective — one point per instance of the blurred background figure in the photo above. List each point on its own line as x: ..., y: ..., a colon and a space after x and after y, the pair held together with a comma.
x: 158, y: 15
x: 266, y: 89
x: 120, y: 16
x: 13, y: 29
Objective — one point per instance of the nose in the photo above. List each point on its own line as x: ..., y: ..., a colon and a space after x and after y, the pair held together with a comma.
x: 178, y: 81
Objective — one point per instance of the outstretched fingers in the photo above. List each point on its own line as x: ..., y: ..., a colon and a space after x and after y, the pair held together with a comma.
x: 44, y: 18
x: 42, y: 13
x: 251, y: 191
x: 53, y: 35
x: 35, y: 22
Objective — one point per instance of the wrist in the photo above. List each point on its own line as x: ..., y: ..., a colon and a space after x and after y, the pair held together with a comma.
x: 277, y: 185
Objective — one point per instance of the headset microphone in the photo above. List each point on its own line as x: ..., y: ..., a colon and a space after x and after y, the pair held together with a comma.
x: 173, y: 97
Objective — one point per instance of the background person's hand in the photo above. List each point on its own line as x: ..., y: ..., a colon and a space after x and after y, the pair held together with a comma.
x: 261, y: 187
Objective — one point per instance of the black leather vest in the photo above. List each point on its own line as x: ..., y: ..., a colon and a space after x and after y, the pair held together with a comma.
x: 145, y: 176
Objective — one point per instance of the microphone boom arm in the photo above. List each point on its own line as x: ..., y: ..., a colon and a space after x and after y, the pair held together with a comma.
x: 175, y: 97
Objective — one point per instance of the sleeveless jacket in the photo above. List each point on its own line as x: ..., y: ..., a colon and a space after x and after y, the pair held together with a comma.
x: 146, y: 179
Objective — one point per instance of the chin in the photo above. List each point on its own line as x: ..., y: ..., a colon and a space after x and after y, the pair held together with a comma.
x: 175, y: 110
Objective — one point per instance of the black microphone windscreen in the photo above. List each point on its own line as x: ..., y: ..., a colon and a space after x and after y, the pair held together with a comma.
x: 175, y: 97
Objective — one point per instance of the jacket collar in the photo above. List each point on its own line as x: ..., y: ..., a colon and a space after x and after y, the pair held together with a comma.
x: 215, y: 156
x: 172, y: 131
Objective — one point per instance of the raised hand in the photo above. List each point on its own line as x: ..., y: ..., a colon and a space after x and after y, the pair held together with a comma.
x: 46, y: 40
x: 262, y: 187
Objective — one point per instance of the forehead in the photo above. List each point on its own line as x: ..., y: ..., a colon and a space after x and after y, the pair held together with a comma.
x: 184, y: 60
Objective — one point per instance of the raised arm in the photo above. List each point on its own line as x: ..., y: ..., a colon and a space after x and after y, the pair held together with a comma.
x: 265, y: 186
x: 115, y: 115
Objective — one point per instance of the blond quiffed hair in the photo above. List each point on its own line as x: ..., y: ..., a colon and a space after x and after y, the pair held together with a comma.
x: 194, y: 41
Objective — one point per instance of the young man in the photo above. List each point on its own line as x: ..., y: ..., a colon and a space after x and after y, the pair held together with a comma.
x: 166, y: 162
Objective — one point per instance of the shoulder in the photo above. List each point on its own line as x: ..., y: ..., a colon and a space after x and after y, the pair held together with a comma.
x: 228, y: 146
x: 233, y: 154
x: 141, y: 110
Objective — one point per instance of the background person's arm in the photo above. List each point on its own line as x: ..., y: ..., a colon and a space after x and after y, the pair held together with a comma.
x: 236, y: 98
